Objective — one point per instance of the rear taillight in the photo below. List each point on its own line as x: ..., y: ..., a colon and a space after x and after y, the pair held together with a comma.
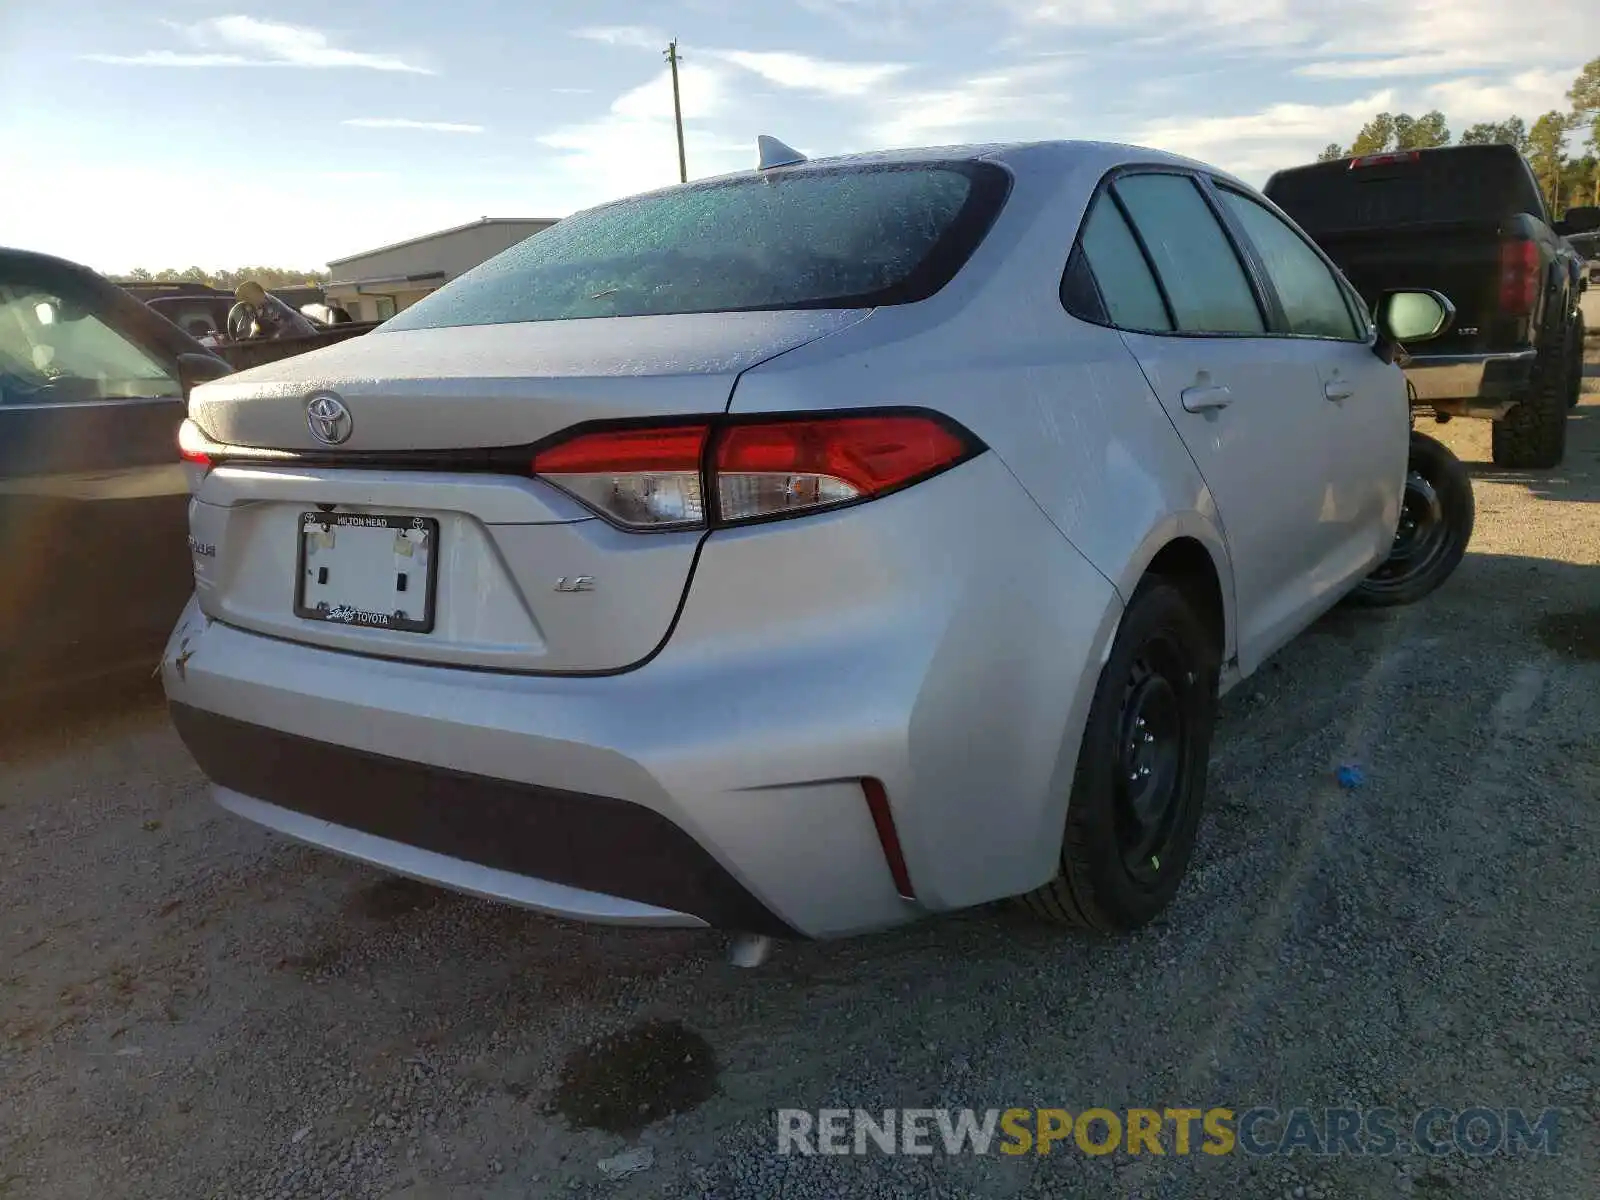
x: 675, y: 476
x: 1519, y: 276
x: 639, y: 478
x: 773, y: 468
x: 193, y: 446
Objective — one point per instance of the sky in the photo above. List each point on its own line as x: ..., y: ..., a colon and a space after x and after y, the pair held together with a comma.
x: 170, y: 133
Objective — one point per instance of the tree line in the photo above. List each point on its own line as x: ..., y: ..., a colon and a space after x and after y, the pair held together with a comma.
x: 1567, y: 180
x: 267, y: 277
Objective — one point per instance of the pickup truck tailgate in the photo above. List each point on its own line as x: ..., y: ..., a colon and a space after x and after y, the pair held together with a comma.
x: 1461, y: 259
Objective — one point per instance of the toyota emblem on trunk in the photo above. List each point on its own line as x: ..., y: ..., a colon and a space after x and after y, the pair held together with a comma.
x: 328, y: 419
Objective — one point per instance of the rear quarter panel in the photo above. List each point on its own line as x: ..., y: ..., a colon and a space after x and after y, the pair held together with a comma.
x: 1063, y: 404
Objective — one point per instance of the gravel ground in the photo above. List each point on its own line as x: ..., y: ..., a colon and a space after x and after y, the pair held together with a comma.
x: 191, y: 1007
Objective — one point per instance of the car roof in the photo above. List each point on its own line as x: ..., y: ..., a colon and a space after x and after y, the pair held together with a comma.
x: 1063, y: 151
x: 12, y: 255
x: 1043, y: 157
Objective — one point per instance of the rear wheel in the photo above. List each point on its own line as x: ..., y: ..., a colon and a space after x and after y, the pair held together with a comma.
x: 1437, y: 514
x: 1141, y: 774
x: 1533, y: 435
x: 1575, y: 368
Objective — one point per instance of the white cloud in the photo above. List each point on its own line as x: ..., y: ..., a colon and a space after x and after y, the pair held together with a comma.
x: 1216, y: 25
x: 1378, y: 38
x: 1389, y: 68
x: 1256, y: 143
x: 634, y: 36
x: 1529, y: 94
x: 1011, y: 102
x: 1252, y: 145
x: 880, y: 20
x: 408, y: 123
x: 1351, y: 39
x: 802, y: 72
x: 242, y: 41
x: 633, y: 147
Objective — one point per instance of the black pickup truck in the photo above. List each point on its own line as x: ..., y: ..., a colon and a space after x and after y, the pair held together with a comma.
x: 1468, y: 222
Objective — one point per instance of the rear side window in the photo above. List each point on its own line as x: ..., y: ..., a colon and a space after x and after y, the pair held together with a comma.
x: 1203, y: 278
x: 826, y: 237
x: 1310, y: 294
x: 1132, y: 299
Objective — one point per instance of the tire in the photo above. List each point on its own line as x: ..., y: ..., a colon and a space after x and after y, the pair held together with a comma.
x: 1533, y: 435
x: 1436, y: 520
x: 1127, y: 844
x: 1575, y: 368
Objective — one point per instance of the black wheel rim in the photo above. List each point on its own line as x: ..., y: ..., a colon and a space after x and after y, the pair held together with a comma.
x: 1421, y: 539
x: 1154, y: 734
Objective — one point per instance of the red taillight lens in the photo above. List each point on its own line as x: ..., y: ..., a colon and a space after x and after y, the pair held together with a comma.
x: 654, y: 477
x: 194, y: 446
x: 1379, y: 160
x: 1519, y: 277
x: 642, y: 478
x: 770, y: 468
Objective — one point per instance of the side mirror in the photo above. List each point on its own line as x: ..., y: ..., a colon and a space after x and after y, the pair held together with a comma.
x: 195, y: 369
x: 1409, y: 315
x: 1414, y: 316
x: 1583, y: 219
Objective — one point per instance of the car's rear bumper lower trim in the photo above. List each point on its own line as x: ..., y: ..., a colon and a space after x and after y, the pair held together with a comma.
x: 591, y: 857
x: 472, y: 878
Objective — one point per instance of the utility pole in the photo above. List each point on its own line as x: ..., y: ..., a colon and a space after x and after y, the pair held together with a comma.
x: 673, y: 58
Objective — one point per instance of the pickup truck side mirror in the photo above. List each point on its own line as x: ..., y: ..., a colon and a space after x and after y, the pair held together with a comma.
x: 1410, y: 315
x: 195, y: 369
x: 1583, y: 219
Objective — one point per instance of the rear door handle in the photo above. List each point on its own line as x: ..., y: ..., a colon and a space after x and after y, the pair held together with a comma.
x: 1204, y: 399
x: 1338, y: 390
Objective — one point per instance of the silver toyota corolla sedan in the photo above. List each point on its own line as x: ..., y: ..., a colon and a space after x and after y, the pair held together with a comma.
x: 796, y: 552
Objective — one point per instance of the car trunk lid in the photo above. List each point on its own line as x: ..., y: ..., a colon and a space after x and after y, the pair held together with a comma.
x: 409, y: 539
x: 502, y: 385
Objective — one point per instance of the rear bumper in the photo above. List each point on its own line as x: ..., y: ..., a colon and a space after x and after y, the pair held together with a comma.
x: 547, y: 848
x: 720, y: 783
x: 1471, y: 384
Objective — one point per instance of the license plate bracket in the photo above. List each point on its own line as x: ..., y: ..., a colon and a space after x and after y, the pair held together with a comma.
x: 367, y: 570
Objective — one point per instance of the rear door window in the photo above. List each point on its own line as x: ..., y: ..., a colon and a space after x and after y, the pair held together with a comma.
x: 833, y: 237
x: 1200, y: 271
x: 1310, y: 294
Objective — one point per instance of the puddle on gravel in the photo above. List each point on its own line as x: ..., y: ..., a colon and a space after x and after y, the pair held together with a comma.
x: 628, y: 1080
x: 395, y: 896
x: 1575, y: 635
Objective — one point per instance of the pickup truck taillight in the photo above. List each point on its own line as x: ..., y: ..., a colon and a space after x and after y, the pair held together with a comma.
x: 1519, y: 277
x: 1386, y: 160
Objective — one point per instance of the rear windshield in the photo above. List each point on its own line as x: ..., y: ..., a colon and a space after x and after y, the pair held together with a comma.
x: 1479, y: 183
x: 836, y: 237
